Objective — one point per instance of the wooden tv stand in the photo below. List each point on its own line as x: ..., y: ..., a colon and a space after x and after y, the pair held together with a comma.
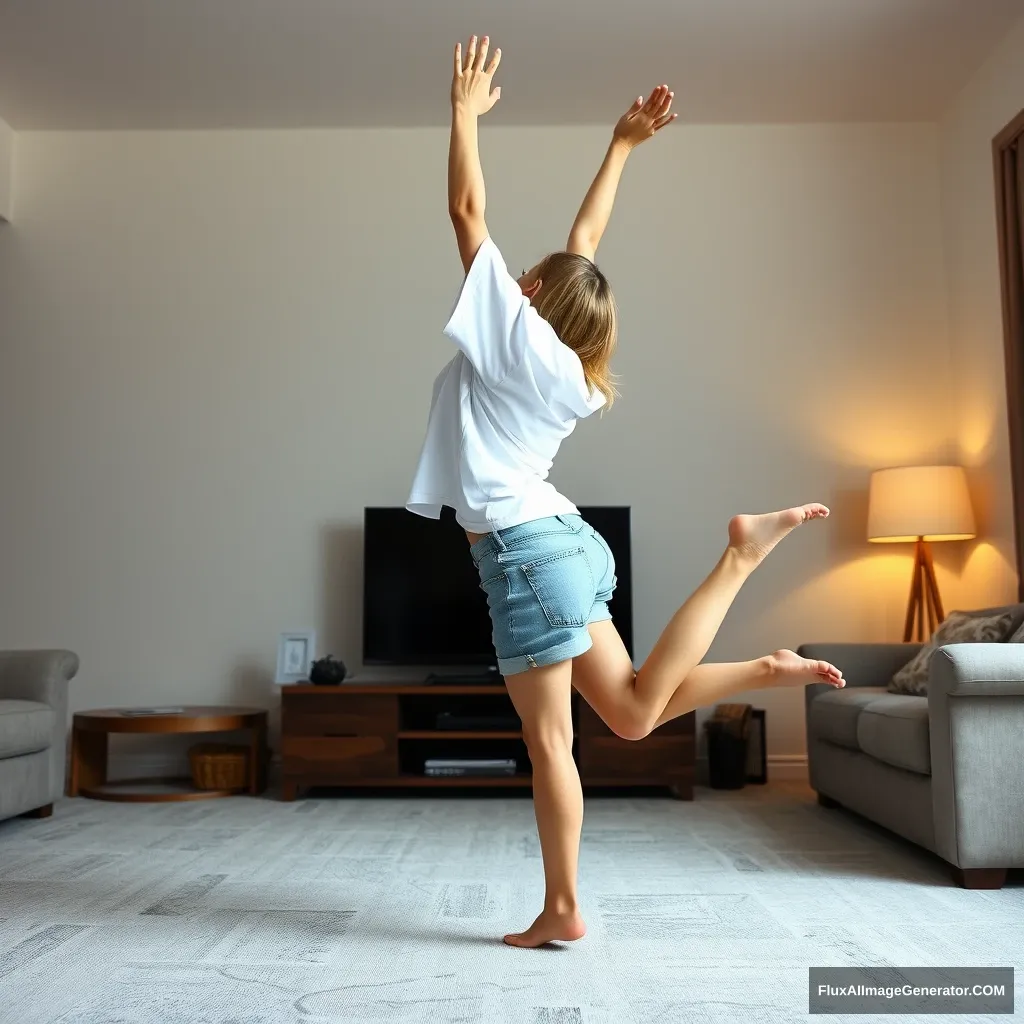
x: 380, y: 734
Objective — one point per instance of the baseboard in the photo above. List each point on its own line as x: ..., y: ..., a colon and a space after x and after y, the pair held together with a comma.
x: 787, y: 767
x: 781, y: 768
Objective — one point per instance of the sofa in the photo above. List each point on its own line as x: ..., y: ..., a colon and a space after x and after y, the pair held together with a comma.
x: 945, y: 770
x: 33, y: 729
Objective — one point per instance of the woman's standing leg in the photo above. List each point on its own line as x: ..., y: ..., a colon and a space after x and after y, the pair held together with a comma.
x: 543, y: 699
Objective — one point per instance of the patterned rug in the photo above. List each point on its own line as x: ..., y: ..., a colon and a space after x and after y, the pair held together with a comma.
x: 373, y: 909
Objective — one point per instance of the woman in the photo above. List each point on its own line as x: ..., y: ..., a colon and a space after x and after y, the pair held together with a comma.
x: 534, y: 358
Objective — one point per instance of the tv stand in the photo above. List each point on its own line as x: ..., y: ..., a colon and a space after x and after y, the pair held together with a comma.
x: 483, y: 677
x: 381, y: 734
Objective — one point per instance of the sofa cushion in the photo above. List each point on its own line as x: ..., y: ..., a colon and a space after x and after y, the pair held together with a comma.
x: 25, y: 727
x: 894, y: 729
x: 833, y: 714
x: 958, y: 628
x: 1016, y: 610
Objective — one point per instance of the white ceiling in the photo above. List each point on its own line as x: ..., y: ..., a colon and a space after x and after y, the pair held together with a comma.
x: 289, y: 63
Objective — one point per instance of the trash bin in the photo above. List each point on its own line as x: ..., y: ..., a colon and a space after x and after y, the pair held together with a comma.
x: 728, y: 731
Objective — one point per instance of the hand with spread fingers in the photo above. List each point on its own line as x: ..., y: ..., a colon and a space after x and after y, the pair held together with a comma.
x: 636, y: 125
x: 643, y: 120
x: 471, y: 84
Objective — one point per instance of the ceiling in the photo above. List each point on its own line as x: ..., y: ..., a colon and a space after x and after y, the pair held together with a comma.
x: 122, y: 64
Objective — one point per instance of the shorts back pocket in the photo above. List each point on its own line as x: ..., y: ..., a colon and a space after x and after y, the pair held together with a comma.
x: 564, y: 586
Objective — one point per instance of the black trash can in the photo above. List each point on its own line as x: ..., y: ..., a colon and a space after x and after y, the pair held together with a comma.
x: 727, y: 756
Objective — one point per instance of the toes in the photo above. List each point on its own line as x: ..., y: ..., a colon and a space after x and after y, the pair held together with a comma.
x: 832, y: 675
x: 828, y: 673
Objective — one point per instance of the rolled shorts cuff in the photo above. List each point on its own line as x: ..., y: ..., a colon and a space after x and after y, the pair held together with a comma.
x: 601, y: 612
x: 565, y: 651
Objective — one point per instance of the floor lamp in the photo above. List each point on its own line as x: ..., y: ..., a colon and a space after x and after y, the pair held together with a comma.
x: 920, y: 504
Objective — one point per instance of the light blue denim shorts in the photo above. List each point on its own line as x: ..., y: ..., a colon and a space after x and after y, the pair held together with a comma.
x: 545, y: 581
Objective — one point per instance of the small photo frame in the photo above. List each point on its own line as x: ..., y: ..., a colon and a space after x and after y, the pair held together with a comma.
x: 295, y: 654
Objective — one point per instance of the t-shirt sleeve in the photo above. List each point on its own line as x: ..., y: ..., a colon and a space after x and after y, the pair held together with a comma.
x: 489, y: 322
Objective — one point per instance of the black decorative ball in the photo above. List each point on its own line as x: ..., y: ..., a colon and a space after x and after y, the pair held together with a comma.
x: 329, y: 671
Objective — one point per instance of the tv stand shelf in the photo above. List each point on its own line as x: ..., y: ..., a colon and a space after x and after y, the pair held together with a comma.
x: 380, y: 735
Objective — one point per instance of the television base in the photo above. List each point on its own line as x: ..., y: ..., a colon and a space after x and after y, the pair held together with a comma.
x: 484, y: 677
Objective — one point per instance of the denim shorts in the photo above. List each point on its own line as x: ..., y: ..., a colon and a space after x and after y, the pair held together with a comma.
x: 545, y: 581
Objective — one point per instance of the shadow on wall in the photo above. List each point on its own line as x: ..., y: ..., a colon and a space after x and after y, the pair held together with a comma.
x: 252, y: 686
x: 339, y: 629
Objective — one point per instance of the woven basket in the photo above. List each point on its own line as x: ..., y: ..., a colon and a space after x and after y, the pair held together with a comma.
x: 219, y: 766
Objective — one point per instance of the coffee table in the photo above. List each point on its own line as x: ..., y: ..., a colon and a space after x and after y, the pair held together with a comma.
x: 91, y: 730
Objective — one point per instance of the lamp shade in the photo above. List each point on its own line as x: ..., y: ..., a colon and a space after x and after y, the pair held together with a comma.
x: 920, y: 501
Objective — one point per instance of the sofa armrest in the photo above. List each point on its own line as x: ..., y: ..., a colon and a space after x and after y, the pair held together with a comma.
x: 41, y: 676
x: 977, y: 670
x: 976, y: 733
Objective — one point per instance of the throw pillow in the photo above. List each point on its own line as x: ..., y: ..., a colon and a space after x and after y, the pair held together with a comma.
x: 958, y: 628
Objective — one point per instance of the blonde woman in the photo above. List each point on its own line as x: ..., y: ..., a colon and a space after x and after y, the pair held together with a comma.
x: 533, y: 359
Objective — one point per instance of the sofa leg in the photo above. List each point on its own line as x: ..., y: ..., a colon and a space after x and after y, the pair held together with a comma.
x: 827, y: 801
x: 980, y: 878
x: 39, y: 812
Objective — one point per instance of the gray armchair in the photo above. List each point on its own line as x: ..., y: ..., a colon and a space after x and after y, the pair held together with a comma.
x: 945, y: 771
x: 33, y: 729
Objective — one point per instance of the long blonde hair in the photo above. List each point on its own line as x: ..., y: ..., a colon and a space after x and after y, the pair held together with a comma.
x: 576, y: 299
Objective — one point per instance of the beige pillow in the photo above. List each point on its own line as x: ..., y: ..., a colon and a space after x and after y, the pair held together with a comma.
x: 958, y: 628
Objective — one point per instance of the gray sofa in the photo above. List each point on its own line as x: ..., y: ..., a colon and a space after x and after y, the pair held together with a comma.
x: 33, y: 729
x: 945, y: 771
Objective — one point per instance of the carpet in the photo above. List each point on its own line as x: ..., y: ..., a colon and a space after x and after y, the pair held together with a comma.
x: 372, y: 909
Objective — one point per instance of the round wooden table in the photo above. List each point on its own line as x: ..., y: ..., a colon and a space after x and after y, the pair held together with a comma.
x: 91, y: 729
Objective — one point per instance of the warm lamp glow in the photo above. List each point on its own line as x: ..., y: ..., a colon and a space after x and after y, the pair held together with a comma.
x: 913, y: 502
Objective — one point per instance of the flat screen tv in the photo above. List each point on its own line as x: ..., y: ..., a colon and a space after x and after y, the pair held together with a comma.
x: 422, y: 602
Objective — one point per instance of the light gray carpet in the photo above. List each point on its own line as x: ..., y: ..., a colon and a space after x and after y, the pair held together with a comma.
x: 370, y: 910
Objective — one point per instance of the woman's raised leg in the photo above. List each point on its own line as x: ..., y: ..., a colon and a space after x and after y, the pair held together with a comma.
x: 672, y: 681
x: 543, y: 699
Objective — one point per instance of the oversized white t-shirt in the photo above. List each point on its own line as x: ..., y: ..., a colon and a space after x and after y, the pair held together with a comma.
x: 500, y: 408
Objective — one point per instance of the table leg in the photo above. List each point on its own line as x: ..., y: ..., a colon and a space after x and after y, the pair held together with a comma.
x: 88, y: 760
x: 257, y: 758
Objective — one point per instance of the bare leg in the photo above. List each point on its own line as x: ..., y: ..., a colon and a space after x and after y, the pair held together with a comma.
x: 542, y: 697
x: 632, y: 703
x: 707, y: 684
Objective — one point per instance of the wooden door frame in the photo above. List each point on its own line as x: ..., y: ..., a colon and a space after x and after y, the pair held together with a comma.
x: 1013, y: 326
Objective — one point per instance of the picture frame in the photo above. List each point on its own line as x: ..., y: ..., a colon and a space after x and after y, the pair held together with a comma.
x: 296, y: 652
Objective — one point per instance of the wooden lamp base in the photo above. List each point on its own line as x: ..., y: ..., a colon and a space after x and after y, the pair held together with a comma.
x: 925, y: 602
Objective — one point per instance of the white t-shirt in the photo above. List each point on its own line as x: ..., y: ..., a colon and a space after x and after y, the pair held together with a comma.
x: 500, y: 408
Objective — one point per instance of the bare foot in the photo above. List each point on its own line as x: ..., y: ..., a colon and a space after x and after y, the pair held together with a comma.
x: 754, y: 536
x: 550, y: 927
x: 789, y: 669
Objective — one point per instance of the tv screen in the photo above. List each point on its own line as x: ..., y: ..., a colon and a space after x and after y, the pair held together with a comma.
x: 422, y: 602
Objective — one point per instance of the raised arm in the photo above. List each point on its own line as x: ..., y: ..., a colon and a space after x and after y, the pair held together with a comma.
x: 639, y: 123
x: 471, y: 96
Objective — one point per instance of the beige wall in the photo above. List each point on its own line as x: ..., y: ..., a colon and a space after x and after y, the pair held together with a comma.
x: 6, y: 170
x: 217, y: 348
x: 992, y: 99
